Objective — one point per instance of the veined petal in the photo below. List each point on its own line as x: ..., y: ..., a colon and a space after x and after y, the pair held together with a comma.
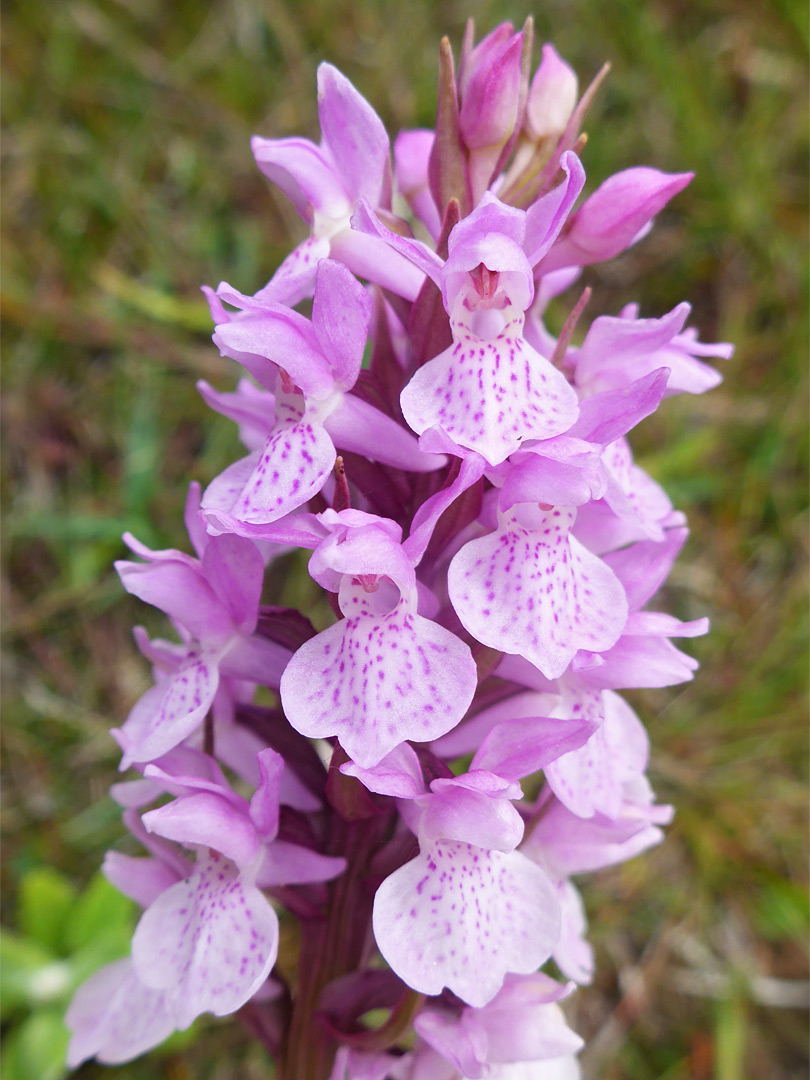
x: 377, y: 680
x: 354, y: 134
x: 536, y: 592
x: 462, y: 917
x: 554, y: 480
x: 616, y: 351
x: 209, y: 942
x: 195, y: 526
x: 366, y: 222
x: 637, y: 661
x: 455, y: 812
x: 360, y: 545
x: 253, y: 409
x: 141, y: 879
x: 643, y: 568
x: 234, y: 568
x: 264, y: 804
x: 411, y: 155
x: 490, y: 395
x: 567, y: 844
x: 519, y: 746
x: 547, y: 215
x: 372, y: 258
x: 181, y: 590
x: 524, y: 1023
x: 256, y: 659
x: 573, y: 954
x: 398, y: 774
x: 272, y: 336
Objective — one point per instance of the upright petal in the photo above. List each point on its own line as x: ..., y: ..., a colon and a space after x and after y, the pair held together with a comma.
x: 209, y: 820
x: 354, y: 134
x: 547, y: 215
x: 304, y: 174
x: 411, y: 155
x: 179, y: 588
x: 235, y: 569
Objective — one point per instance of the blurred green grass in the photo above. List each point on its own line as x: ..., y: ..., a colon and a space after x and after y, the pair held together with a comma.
x: 128, y: 182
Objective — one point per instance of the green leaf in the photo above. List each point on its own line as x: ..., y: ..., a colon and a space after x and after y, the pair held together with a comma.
x: 783, y: 911
x: 29, y: 974
x: 46, y: 897
x: 100, y: 913
x: 154, y: 303
x: 35, y: 1050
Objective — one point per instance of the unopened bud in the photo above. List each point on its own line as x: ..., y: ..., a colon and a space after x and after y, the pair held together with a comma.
x: 491, y: 96
x: 552, y: 97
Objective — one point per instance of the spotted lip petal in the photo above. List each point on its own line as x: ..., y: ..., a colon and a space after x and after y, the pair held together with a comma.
x: 490, y: 395
x: 293, y: 466
x: 462, y: 917
x: 536, y: 592
x: 169, y: 712
x: 209, y: 942
x: 377, y: 680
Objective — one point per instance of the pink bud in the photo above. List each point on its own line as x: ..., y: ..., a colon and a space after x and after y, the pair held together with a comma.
x: 491, y: 94
x: 552, y: 96
x: 473, y: 58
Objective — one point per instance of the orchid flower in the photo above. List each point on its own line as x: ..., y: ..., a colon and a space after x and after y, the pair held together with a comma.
x: 410, y: 774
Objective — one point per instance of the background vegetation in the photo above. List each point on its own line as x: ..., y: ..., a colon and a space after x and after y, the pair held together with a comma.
x: 128, y: 181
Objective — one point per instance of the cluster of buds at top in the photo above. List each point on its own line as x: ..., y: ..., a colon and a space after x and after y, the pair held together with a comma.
x: 425, y: 777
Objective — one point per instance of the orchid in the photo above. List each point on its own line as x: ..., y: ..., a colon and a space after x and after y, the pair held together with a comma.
x: 214, y: 602
x: 415, y: 769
